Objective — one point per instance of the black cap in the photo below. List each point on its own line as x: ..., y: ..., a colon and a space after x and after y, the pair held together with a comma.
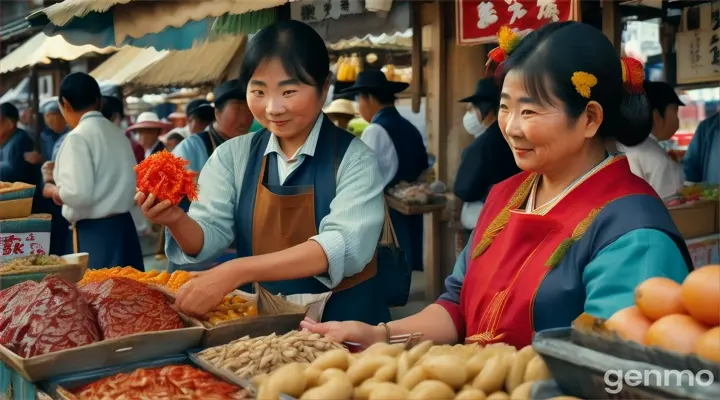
x: 374, y: 81
x: 201, y: 108
x: 8, y: 110
x: 660, y: 95
x: 486, y: 90
x: 230, y: 90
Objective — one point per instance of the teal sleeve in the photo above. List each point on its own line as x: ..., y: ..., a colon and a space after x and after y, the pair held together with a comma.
x: 611, y: 277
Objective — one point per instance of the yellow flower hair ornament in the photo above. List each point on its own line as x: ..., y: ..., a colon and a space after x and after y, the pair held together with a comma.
x: 583, y: 83
x: 507, y: 42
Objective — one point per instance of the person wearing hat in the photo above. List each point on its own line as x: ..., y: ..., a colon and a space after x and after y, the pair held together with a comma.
x: 488, y: 159
x: 94, y: 179
x: 399, y: 148
x: 148, y: 128
x: 55, y: 131
x: 200, y: 115
x: 649, y: 160
x: 232, y: 119
x: 340, y: 112
x: 14, y: 144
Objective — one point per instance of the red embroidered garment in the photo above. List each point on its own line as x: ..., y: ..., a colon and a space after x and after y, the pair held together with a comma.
x: 39, y: 318
x: 124, y: 307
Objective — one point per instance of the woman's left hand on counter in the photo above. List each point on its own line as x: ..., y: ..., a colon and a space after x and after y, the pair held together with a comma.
x: 205, y: 291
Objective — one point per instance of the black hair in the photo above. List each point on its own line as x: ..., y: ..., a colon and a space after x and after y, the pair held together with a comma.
x: 111, y: 105
x: 485, y: 107
x: 175, y: 136
x: 299, y: 48
x: 81, y: 91
x: 549, y: 56
x: 382, y: 97
x: 10, y: 112
x: 660, y: 95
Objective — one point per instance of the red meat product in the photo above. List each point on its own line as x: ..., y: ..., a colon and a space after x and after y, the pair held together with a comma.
x: 124, y: 307
x: 169, y: 382
x: 39, y: 318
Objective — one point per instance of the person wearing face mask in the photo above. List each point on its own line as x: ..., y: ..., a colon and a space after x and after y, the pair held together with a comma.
x: 488, y: 160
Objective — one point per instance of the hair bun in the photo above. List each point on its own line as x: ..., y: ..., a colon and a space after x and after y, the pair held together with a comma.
x: 633, y: 75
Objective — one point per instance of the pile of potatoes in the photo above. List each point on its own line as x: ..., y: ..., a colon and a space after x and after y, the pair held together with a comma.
x: 425, y: 372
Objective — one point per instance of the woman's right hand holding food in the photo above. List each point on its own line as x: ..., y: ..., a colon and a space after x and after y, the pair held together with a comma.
x: 159, y: 212
x: 348, y: 331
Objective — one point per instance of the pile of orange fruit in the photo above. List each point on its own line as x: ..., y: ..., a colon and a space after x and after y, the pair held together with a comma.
x: 682, y: 318
x: 172, y: 282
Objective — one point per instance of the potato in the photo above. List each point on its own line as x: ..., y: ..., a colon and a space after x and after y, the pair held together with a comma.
x: 418, y: 351
x: 498, y: 396
x: 336, y: 389
x: 288, y: 379
x: 431, y: 390
x: 518, y: 365
x: 445, y: 369
x: 386, y: 373
x: 536, y: 370
x: 388, y: 391
x: 267, y: 392
x: 492, y: 376
x: 312, y: 375
x: 258, y: 380
x: 403, y: 366
x: 366, y: 367
x: 413, y: 377
x: 475, y: 364
x: 331, y: 374
x: 470, y: 394
x: 392, y: 350
x: 522, y: 392
x: 363, y: 391
x: 332, y: 359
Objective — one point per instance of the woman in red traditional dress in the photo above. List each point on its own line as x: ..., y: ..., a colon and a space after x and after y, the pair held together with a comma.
x: 574, y: 232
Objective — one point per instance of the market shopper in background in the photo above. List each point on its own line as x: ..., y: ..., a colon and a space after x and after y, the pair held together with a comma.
x: 200, y: 115
x: 488, y: 160
x: 398, y: 147
x: 575, y: 232
x: 649, y: 160
x: 702, y: 159
x: 301, y: 198
x: 55, y: 130
x: 95, y: 179
x: 173, y: 140
x: 14, y: 144
x: 148, y: 128
x: 113, y: 110
x: 340, y: 112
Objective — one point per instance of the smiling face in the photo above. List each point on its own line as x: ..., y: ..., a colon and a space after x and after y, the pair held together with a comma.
x: 283, y: 104
x: 542, y: 136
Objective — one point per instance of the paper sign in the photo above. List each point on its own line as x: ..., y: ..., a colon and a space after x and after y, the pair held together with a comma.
x: 317, y: 10
x: 14, y: 245
x: 705, y: 250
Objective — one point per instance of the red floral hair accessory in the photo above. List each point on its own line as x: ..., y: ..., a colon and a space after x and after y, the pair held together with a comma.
x: 507, y: 42
x: 633, y: 75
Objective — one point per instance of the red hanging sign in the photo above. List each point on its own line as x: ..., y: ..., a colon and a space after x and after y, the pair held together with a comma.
x: 478, y: 21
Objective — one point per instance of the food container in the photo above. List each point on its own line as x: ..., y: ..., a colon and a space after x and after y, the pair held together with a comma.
x: 25, y: 236
x: 60, y: 387
x: 107, y: 353
x: 589, y: 374
x: 73, y: 271
x: 695, y: 219
x: 16, y: 200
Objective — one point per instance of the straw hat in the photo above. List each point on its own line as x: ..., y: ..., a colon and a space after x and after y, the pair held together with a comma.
x: 341, y: 106
x: 149, y: 120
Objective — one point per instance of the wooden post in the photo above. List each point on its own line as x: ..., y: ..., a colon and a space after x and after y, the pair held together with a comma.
x: 35, y: 107
x: 612, y: 23
x: 417, y: 56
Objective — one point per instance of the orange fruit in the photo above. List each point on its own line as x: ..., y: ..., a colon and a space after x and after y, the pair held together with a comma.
x: 708, y: 345
x: 630, y: 324
x: 678, y: 332
x: 701, y: 294
x: 658, y: 297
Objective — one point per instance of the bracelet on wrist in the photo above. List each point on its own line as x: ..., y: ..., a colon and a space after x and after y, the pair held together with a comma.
x: 387, y: 331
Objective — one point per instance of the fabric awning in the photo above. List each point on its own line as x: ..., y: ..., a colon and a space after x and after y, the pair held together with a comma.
x: 124, y: 65
x: 42, y: 49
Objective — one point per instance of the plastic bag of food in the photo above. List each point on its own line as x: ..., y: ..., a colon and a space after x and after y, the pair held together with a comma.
x: 124, y: 307
x: 39, y: 318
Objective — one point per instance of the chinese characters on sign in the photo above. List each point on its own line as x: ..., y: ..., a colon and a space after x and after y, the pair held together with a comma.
x: 698, y: 56
x: 23, y: 244
x: 319, y: 10
x: 478, y: 21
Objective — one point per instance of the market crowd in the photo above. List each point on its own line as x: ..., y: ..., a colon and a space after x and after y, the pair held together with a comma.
x: 298, y: 204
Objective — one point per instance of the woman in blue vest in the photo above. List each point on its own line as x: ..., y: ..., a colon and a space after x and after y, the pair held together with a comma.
x: 301, y: 198
x: 399, y: 148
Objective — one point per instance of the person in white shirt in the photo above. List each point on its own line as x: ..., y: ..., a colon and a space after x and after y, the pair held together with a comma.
x: 95, y: 179
x: 648, y: 159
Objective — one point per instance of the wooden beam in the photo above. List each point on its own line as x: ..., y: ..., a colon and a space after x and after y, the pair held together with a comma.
x: 417, y: 55
x: 612, y: 23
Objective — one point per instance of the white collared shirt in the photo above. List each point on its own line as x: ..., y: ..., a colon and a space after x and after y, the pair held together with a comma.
x: 378, y: 139
x: 651, y: 162
x: 94, y: 170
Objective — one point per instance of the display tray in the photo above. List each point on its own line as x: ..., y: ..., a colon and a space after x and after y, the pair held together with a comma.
x: 61, y: 387
x: 439, y: 203
x: 16, y: 201
x: 107, y: 353
x: 589, y: 374
x: 73, y: 271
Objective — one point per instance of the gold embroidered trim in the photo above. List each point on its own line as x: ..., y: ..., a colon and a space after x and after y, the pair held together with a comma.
x: 501, y: 220
x: 557, y: 256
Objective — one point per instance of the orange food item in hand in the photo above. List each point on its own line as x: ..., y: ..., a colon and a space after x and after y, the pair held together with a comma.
x: 701, y: 294
x: 678, y: 332
x: 630, y: 324
x: 708, y: 345
x: 658, y: 297
x: 165, y: 176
